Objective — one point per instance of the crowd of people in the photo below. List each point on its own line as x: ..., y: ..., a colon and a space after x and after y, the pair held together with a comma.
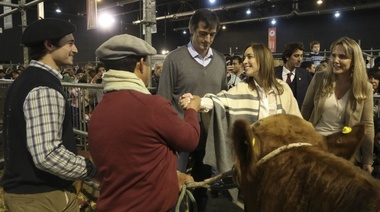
x: 145, y: 143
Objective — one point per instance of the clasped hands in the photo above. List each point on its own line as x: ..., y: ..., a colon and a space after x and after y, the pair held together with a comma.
x: 187, y: 101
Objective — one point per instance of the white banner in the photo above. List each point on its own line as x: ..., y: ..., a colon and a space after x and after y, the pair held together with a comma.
x: 92, y: 14
x: 8, y: 24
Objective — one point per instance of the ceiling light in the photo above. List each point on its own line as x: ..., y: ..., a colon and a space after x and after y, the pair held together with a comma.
x: 184, y: 32
x: 224, y: 27
x: 337, y: 14
x: 319, y: 2
x: 58, y: 10
x: 106, y: 20
x: 248, y: 11
x: 273, y: 22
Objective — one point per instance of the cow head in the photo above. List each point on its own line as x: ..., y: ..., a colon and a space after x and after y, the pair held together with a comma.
x: 345, y: 142
x: 252, y: 142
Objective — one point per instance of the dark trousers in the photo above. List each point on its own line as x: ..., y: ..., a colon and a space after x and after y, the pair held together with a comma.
x: 200, y: 171
x: 183, y: 159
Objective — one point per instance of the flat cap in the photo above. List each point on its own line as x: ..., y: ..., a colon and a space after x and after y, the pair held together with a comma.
x: 46, y: 29
x: 122, y: 46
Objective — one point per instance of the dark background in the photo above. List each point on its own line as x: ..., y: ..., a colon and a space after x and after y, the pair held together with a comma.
x: 359, y: 20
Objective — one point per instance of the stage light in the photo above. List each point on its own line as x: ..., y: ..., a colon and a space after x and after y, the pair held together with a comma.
x: 106, y: 20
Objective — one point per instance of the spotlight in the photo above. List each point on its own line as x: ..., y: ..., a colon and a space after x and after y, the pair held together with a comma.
x: 58, y: 10
x: 106, y: 20
x: 337, y: 14
x: 184, y: 32
x: 273, y: 22
x: 224, y: 27
x: 319, y: 2
x: 248, y: 11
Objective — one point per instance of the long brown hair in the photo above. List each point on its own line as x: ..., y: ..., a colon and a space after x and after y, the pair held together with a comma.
x: 265, y: 61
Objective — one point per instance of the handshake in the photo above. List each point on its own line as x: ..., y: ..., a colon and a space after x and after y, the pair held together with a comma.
x: 187, y: 101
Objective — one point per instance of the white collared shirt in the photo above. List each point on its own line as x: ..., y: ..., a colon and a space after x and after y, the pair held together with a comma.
x: 268, y: 104
x: 203, y: 61
x: 285, y: 72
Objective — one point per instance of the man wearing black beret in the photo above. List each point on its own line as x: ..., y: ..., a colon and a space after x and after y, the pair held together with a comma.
x: 133, y: 134
x: 39, y: 144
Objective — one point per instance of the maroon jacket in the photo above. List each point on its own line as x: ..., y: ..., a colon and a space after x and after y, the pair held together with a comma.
x: 133, y: 138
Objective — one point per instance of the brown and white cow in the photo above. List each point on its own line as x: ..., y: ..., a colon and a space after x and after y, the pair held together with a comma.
x: 282, y: 164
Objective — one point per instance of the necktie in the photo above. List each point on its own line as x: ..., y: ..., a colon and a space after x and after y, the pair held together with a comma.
x: 289, y: 79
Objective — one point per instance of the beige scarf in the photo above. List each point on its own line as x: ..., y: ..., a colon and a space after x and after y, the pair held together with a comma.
x: 115, y: 80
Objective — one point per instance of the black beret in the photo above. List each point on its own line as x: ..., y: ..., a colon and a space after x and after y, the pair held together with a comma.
x: 46, y: 29
x: 122, y: 46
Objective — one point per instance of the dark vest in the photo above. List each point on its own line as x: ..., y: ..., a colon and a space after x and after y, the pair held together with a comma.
x: 293, y: 86
x: 20, y: 174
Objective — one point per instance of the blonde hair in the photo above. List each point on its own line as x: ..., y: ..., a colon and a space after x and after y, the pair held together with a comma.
x: 358, y: 69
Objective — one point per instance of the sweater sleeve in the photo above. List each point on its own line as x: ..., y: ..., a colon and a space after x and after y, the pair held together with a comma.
x: 367, y: 118
x: 167, y: 81
x: 181, y: 135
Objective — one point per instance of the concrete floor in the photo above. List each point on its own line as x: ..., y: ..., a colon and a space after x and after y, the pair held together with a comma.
x: 222, y: 204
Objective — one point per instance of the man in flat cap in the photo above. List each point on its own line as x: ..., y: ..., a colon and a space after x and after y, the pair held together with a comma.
x: 134, y: 135
x: 39, y: 144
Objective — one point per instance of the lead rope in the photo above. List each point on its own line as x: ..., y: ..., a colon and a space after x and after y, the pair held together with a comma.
x: 279, y: 150
x: 186, y: 193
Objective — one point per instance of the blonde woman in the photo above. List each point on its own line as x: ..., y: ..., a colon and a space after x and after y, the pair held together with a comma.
x: 342, y: 96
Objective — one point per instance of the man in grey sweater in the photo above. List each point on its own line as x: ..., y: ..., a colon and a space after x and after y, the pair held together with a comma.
x: 198, y: 69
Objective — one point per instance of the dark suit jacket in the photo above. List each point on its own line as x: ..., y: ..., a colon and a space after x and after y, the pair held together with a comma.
x: 303, y: 79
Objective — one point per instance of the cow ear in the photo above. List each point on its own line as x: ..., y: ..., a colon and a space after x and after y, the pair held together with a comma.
x: 242, y: 145
x: 241, y: 132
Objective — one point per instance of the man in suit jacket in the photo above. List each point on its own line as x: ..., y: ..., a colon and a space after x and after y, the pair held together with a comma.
x: 297, y: 78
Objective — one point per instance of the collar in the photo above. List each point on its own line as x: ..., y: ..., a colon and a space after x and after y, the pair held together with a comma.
x: 45, y: 67
x: 195, y: 54
x: 286, y: 71
x: 261, y: 89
